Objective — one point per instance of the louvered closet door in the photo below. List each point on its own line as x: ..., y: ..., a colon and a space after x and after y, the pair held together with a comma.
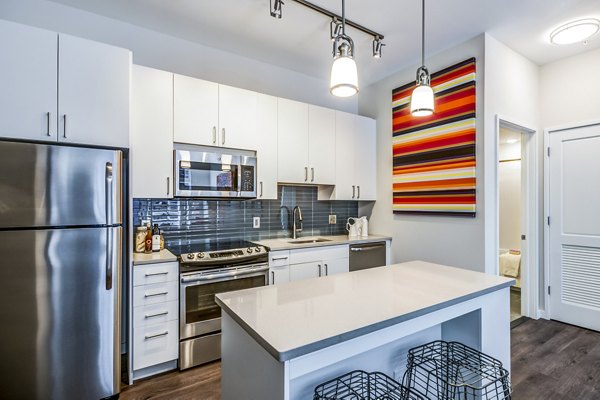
x: 575, y: 226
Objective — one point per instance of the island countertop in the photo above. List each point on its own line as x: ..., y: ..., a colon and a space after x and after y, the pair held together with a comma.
x: 296, y: 318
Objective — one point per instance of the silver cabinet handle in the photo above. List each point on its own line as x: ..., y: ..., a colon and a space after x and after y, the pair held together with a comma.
x: 326, y: 270
x: 272, y: 277
x: 156, y: 273
x: 305, y: 174
x: 312, y: 174
x: 165, y: 333
x: 156, y: 294
x: 279, y: 258
x: 159, y: 314
x: 65, y: 126
x: 223, y: 136
x: 214, y: 135
x: 168, y: 185
x: 320, y: 267
x: 358, y: 191
x: 261, y: 189
x: 353, y: 191
x: 48, y: 123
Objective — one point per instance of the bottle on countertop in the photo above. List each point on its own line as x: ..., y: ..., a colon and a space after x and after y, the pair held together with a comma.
x: 155, y: 238
x: 148, y: 242
x: 162, y: 240
x: 140, y: 239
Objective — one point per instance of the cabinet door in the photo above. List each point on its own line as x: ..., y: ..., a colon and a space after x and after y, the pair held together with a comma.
x: 345, y: 187
x: 365, y: 166
x: 28, y: 73
x: 195, y: 111
x: 279, y: 275
x: 94, y: 92
x: 306, y: 271
x: 292, y: 141
x: 321, y: 145
x: 237, y: 118
x: 152, y: 133
x: 266, y: 151
x: 336, y: 266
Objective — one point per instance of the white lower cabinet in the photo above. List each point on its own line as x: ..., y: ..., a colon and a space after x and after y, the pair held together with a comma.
x: 155, y: 318
x: 321, y: 261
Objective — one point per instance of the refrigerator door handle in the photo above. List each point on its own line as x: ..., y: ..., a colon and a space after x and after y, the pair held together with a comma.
x: 108, y: 192
x: 109, y: 259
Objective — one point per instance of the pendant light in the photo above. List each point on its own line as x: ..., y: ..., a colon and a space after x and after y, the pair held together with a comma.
x: 421, y: 102
x: 344, y: 77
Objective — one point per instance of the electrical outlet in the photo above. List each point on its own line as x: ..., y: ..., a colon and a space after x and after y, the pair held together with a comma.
x: 332, y: 219
x: 256, y: 222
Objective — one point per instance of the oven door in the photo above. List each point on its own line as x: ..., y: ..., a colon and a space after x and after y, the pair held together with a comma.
x: 199, y: 313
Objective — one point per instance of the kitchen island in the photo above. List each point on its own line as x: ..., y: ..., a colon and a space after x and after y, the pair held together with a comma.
x: 280, y: 341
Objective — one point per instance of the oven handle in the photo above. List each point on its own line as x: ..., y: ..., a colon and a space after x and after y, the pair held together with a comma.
x: 209, y: 277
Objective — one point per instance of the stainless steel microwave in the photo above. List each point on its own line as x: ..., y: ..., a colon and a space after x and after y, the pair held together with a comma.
x: 208, y: 173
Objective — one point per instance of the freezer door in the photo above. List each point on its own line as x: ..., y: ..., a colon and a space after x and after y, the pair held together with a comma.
x: 49, y: 185
x: 59, y: 336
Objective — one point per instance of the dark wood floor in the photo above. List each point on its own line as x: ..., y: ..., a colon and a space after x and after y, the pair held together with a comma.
x: 550, y: 361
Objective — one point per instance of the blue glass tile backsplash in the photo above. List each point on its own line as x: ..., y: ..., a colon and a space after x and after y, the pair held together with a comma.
x: 195, y: 221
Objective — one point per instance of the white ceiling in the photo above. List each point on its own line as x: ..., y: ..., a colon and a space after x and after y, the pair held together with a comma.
x: 300, y: 40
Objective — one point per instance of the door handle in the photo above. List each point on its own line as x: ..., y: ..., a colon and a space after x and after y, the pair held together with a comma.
x: 358, y: 191
x: 156, y: 274
x: 65, y: 126
x: 156, y: 294
x: 305, y: 174
x: 279, y: 258
x: 353, y: 191
x: 159, y: 314
x: 109, y: 231
x: 320, y: 271
x: 272, y: 277
x: 214, y: 135
x: 223, y: 136
x: 165, y: 333
x: 48, y: 123
x: 312, y: 174
x: 326, y: 270
x: 261, y: 189
x: 168, y: 185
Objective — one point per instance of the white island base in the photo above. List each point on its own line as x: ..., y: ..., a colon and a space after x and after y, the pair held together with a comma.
x: 280, y: 342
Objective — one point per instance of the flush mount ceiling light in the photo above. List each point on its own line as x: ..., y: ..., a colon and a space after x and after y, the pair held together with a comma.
x: 377, y: 47
x: 575, y: 31
x: 511, y: 141
x: 344, y: 77
x: 276, y: 8
x: 421, y: 102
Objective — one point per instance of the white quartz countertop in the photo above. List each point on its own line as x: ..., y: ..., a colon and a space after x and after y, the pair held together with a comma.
x: 333, y: 240
x: 154, y: 257
x: 297, y: 318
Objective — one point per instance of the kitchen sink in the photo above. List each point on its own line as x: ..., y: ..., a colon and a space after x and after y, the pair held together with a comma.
x: 307, y: 241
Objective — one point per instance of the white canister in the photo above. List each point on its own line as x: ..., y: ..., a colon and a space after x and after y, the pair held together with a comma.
x: 364, y: 227
x: 351, y: 227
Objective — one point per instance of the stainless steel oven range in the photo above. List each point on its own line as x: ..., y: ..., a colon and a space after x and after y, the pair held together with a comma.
x: 206, y: 270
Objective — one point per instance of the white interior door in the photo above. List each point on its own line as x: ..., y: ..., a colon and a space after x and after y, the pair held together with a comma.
x: 574, y: 239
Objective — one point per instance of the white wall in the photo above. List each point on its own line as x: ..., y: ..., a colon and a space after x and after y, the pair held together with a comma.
x: 160, y: 51
x: 570, y: 90
x: 509, y: 181
x: 453, y: 241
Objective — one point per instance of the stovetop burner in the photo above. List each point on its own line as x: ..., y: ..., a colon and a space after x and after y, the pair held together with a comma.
x: 218, y: 254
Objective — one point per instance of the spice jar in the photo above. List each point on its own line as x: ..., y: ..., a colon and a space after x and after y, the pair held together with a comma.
x: 140, y: 239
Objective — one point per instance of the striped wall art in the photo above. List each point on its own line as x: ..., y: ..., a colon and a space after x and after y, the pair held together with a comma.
x: 434, y: 157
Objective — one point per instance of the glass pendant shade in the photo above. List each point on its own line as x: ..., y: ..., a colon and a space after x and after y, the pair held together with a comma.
x: 421, y: 102
x: 344, y: 78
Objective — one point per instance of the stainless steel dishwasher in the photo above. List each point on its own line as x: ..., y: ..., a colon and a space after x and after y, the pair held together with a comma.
x: 367, y: 255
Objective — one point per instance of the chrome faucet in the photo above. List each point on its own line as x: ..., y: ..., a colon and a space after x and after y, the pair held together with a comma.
x: 294, y: 229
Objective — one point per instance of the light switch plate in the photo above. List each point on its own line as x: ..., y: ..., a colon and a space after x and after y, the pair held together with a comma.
x: 332, y: 219
x: 256, y: 222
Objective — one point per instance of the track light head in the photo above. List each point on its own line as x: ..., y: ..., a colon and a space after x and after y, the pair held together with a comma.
x: 377, y: 47
x: 276, y: 8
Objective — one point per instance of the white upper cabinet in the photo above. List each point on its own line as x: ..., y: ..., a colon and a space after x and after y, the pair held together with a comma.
x: 292, y: 143
x: 365, y: 156
x: 28, y: 70
x: 196, y: 111
x: 266, y: 142
x: 152, y: 133
x: 321, y: 145
x: 237, y: 118
x: 355, y: 158
x: 94, y: 92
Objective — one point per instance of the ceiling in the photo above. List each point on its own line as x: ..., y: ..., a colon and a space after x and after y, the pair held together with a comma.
x: 300, y: 40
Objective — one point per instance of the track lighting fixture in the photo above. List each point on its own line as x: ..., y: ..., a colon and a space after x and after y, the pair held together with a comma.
x: 377, y: 47
x: 422, y: 99
x: 344, y: 77
x: 335, y: 28
x: 276, y: 8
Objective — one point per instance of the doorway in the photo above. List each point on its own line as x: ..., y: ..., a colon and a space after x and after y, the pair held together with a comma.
x: 517, y: 215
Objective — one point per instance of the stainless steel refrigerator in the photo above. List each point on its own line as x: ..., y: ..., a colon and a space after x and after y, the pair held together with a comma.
x: 60, y: 271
